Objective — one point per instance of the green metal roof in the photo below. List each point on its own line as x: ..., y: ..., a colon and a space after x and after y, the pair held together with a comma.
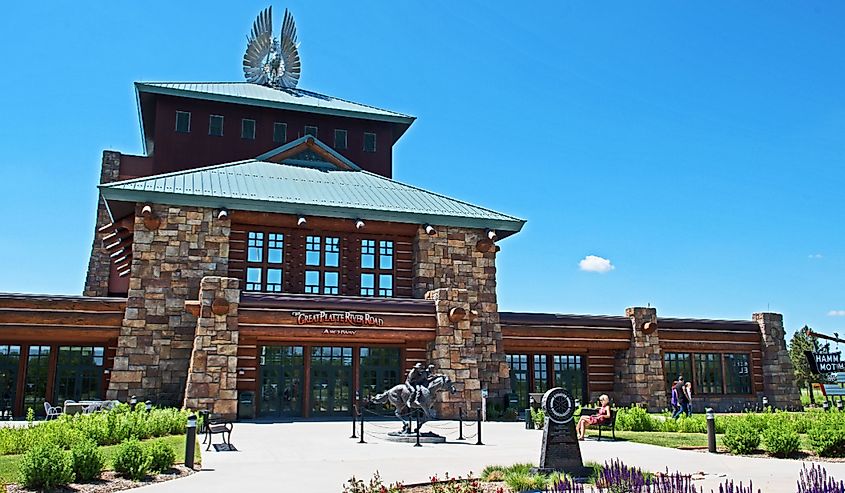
x: 258, y: 95
x: 317, y: 190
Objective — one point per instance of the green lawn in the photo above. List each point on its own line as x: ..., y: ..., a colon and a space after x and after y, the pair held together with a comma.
x: 675, y: 439
x: 9, y: 463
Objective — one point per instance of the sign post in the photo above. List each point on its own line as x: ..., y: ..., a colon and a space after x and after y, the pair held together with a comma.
x: 561, y: 450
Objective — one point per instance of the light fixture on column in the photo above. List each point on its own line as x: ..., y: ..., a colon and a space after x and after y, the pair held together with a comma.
x: 491, y: 235
x: 429, y: 230
x: 359, y: 224
x: 301, y: 221
x: 222, y: 214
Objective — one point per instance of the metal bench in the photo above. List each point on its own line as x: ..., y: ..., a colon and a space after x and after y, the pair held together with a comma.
x: 213, y: 425
x: 832, y: 390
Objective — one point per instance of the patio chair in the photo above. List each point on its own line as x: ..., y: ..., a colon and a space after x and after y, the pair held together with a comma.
x: 52, y: 412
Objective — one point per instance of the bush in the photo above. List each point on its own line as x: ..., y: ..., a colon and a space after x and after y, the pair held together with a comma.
x: 131, y: 460
x: 493, y: 473
x: 87, y: 461
x: 519, y: 481
x: 635, y: 419
x: 538, y: 416
x: 741, y: 437
x: 162, y: 456
x: 44, y: 467
x: 780, y: 438
x: 827, y: 436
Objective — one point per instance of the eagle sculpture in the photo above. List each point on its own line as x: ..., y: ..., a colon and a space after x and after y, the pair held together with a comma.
x: 272, y: 61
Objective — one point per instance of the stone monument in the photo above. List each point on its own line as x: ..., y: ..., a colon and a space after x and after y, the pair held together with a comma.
x: 561, y: 451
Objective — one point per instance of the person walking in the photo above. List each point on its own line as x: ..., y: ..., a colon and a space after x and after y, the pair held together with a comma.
x: 674, y: 398
x: 682, y: 397
x: 688, y: 393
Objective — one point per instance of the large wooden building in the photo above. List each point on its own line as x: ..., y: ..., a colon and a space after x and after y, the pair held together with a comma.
x: 260, y: 260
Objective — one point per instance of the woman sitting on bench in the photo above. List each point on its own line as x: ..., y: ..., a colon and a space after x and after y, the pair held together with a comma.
x: 600, y: 418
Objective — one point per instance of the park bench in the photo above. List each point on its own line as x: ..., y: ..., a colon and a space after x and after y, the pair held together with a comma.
x: 213, y: 425
x: 607, y: 426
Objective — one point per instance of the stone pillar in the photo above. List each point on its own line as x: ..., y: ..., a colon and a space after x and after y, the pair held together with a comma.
x: 453, y: 351
x: 171, y: 254
x: 459, y: 258
x: 640, y: 368
x: 99, y: 264
x: 213, y: 374
x: 778, y: 373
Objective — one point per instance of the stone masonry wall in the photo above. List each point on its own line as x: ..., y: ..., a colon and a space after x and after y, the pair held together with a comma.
x: 451, y: 258
x: 213, y: 374
x: 157, y: 336
x: 778, y: 373
x: 640, y: 368
x: 97, y: 279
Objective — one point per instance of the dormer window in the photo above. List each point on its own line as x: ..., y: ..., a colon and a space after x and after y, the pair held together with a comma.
x: 215, y: 125
x: 183, y: 122
x: 248, y: 129
x: 369, y: 142
x: 310, y: 130
x: 339, y: 139
x: 280, y: 132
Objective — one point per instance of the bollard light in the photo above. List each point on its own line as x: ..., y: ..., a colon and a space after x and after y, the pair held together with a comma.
x: 191, y: 441
x: 839, y: 404
x: 149, y: 405
x: 826, y: 405
x: 711, y: 430
x: 765, y: 402
x: 132, y: 401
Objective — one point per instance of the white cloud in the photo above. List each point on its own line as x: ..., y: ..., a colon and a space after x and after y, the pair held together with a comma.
x: 592, y: 263
x: 836, y: 313
x: 815, y: 255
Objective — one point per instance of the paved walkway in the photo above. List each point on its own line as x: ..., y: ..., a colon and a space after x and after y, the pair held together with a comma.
x: 320, y: 457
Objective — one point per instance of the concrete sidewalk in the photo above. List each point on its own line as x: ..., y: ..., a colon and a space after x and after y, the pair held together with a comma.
x: 320, y: 457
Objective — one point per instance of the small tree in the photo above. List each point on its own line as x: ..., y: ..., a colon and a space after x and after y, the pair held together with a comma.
x: 802, y: 341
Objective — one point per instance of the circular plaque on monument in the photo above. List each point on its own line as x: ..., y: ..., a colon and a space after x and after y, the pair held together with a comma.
x: 558, y: 405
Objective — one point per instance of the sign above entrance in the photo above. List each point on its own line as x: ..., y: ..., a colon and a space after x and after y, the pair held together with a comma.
x: 825, y: 362
x: 338, y: 318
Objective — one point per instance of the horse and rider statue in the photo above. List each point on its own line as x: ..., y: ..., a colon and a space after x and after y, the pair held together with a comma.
x: 417, y: 394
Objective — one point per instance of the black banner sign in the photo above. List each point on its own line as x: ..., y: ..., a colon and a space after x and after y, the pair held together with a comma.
x: 825, y: 362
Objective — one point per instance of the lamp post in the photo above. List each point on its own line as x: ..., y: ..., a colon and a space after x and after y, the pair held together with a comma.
x: 191, y: 442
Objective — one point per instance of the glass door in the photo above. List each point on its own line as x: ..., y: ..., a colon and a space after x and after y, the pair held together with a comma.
x: 381, y: 369
x: 35, y: 386
x: 331, y: 380
x: 281, y: 371
x: 10, y: 357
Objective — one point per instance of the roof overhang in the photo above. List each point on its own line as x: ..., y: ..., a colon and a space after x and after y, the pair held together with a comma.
x: 121, y: 198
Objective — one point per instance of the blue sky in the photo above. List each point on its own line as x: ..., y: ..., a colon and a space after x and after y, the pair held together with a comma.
x: 700, y: 148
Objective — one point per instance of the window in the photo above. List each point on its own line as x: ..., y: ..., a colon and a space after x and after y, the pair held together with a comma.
x: 35, y: 385
x: 10, y: 357
x: 264, y: 259
x: 541, y: 373
x: 675, y: 365
x: 79, y: 373
x: 215, y: 125
x: 708, y: 373
x: 183, y: 121
x: 248, y: 129
x: 377, y: 268
x: 322, y: 260
x: 339, y: 139
x: 311, y: 130
x: 369, y: 142
x: 518, y: 364
x: 737, y: 374
x: 569, y: 374
x: 280, y: 132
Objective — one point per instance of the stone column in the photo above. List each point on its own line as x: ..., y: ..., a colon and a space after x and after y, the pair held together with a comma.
x: 463, y: 259
x: 454, y: 352
x: 172, y: 251
x: 213, y: 374
x: 640, y: 368
x: 99, y: 264
x: 778, y: 373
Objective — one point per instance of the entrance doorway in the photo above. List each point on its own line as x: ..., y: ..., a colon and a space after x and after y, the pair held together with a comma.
x: 331, y: 380
x: 281, y: 381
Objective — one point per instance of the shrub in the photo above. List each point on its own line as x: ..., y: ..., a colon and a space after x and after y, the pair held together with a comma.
x: 162, y: 456
x: 692, y: 424
x: 538, y: 416
x: 780, y: 438
x: 510, y: 414
x: 827, y: 436
x: 741, y: 437
x: 44, y: 467
x: 635, y: 419
x: 87, y: 461
x: 493, y: 473
x: 375, y: 485
x: 131, y: 460
x: 519, y: 481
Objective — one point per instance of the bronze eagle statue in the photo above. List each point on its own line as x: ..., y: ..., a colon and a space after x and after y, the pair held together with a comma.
x: 272, y: 61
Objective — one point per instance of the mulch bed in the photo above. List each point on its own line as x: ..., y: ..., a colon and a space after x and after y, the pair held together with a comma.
x: 802, y: 455
x: 484, y: 487
x: 110, y: 481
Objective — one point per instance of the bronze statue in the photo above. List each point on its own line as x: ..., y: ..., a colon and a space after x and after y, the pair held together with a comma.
x: 416, y: 394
